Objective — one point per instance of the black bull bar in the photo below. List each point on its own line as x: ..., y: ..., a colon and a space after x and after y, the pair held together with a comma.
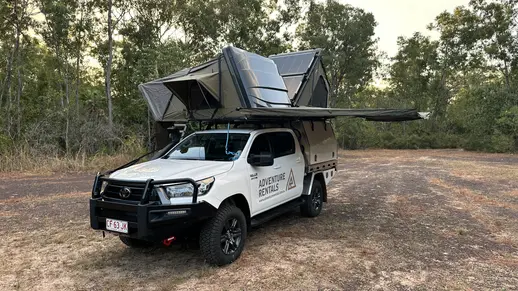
x: 147, y: 220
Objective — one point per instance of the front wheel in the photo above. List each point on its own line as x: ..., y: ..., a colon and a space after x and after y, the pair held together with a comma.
x: 222, y: 238
x: 314, y: 201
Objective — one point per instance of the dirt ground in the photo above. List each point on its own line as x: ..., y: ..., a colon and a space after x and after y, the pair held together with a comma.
x: 395, y: 220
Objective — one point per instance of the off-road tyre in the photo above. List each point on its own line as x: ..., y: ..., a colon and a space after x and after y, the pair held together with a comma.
x: 217, y: 232
x: 314, y: 201
x: 135, y: 243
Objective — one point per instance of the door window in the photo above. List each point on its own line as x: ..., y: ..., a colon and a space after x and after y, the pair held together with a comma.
x: 282, y: 144
x: 261, y: 145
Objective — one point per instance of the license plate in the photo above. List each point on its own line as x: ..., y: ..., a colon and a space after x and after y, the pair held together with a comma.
x: 116, y: 225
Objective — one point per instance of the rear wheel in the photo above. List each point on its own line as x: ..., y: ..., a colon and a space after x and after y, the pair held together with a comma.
x: 222, y: 238
x: 135, y: 243
x: 313, y: 204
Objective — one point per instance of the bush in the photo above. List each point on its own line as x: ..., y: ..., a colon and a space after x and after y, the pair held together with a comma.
x: 395, y: 137
x: 501, y: 144
x: 5, y: 143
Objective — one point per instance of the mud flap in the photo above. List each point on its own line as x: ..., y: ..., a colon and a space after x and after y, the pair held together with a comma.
x: 308, y: 183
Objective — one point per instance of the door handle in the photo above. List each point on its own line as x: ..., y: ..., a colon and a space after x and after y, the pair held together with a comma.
x: 276, y: 167
x: 297, y: 160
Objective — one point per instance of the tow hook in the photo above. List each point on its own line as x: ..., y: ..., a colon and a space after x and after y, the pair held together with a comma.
x: 167, y: 242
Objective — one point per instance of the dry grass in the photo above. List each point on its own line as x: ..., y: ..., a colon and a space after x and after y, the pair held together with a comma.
x: 36, y: 199
x: 395, y: 220
x: 471, y: 198
x: 24, y: 159
x: 23, y: 163
x: 474, y: 170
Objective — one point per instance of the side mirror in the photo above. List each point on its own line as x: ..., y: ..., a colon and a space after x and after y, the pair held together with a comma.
x: 260, y: 160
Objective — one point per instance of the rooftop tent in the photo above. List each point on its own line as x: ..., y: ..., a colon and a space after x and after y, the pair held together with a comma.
x: 239, y: 85
x: 234, y: 79
x: 304, y: 75
x: 257, y: 78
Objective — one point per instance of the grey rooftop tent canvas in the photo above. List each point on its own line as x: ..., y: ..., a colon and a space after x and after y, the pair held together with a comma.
x: 238, y: 86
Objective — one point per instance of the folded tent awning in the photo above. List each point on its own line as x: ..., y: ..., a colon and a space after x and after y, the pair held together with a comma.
x: 326, y: 113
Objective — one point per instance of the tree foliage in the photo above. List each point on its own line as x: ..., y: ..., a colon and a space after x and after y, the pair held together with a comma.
x: 346, y: 35
x: 69, y: 69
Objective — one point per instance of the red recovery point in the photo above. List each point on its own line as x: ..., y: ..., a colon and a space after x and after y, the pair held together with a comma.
x: 167, y: 242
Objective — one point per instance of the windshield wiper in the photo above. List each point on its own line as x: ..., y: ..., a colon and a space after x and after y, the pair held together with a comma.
x: 186, y: 159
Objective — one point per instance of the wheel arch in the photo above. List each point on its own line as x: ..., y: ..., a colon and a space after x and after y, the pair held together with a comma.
x: 240, y: 201
x: 322, y: 180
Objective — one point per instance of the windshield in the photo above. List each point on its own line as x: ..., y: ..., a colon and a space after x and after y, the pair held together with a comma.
x: 209, y: 147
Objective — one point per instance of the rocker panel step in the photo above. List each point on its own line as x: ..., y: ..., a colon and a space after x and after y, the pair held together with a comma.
x: 272, y: 213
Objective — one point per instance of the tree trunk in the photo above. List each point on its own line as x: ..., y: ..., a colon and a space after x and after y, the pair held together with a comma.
x: 109, y: 66
x: 78, y: 60
x: 7, y: 83
x: 19, y: 87
x: 8, y: 80
x: 506, y: 75
x: 60, y: 73
x: 15, y: 55
x: 67, y: 108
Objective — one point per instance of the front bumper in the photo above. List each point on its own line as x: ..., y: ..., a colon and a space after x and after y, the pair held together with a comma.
x: 147, y: 220
x: 150, y: 222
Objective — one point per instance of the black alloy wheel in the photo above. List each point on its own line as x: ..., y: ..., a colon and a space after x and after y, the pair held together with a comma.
x: 316, y: 199
x: 312, y: 206
x: 223, y: 237
x: 231, y: 236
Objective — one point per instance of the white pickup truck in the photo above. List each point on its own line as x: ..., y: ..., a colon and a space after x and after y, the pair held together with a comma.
x: 216, y: 185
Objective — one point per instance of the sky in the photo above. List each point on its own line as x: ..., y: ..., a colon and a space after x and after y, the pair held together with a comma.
x: 403, y: 17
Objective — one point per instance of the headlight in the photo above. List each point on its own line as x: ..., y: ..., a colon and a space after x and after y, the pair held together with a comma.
x: 187, y: 190
x: 103, y: 186
x: 205, y: 185
x: 181, y: 190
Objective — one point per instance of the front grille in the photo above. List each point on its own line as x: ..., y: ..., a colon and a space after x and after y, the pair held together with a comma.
x: 113, y: 190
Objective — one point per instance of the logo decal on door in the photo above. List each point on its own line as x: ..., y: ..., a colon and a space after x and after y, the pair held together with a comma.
x: 291, y: 181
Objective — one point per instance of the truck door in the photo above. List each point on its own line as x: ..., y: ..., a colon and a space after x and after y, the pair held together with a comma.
x: 273, y: 185
x: 289, y: 159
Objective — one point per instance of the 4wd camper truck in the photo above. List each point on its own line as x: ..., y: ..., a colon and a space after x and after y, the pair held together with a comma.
x: 280, y: 153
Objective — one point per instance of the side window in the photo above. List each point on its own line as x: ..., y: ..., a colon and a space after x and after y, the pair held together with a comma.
x: 261, y: 145
x: 282, y: 144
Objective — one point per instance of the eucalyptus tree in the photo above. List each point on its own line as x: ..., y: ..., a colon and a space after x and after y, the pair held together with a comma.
x: 346, y: 35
